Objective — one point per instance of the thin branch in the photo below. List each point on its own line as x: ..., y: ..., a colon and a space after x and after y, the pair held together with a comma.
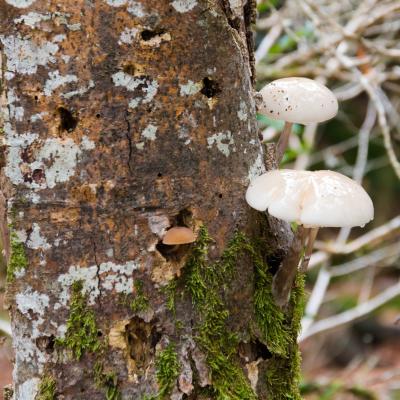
x: 353, y: 314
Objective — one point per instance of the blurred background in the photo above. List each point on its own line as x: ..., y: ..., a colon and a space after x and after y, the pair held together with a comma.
x: 351, y: 328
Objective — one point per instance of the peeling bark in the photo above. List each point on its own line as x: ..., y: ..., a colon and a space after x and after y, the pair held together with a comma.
x: 121, y: 119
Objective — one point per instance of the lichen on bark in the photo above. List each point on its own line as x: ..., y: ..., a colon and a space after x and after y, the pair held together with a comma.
x: 121, y: 117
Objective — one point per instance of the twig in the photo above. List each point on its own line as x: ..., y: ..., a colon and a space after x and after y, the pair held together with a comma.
x: 371, y: 238
x: 353, y: 314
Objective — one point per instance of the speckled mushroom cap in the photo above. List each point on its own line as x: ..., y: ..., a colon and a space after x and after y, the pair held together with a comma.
x: 179, y: 235
x: 298, y: 100
x: 313, y: 199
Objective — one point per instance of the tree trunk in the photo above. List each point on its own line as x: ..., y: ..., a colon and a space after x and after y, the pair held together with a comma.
x: 123, y: 118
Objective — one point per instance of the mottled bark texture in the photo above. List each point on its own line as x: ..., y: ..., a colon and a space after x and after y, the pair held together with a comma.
x: 122, y: 118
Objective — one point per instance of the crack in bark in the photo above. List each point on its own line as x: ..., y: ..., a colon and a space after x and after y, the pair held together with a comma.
x: 129, y: 139
x: 98, y: 269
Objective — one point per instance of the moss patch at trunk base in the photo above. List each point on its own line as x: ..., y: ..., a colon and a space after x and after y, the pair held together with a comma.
x: 283, y: 374
x: 204, y: 281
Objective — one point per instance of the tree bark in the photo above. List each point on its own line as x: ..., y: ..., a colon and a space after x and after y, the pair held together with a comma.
x: 121, y: 119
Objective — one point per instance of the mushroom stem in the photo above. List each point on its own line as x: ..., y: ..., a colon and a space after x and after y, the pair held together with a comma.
x: 283, y: 142
x: 309, y: 248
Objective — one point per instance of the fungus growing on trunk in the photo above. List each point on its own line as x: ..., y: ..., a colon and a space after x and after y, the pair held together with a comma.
x: 296, y: 100
x: 179, y: 235
x: 313, y: 199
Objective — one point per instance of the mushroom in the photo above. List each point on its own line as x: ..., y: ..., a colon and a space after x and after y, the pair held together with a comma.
x: 296, y: 100
x: 313, y: 199
x: 179, y: 235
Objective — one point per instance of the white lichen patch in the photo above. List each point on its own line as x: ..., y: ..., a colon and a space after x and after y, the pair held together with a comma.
x: 36, y: 240
x: 128, y: 35
x: 27, y: 390
x: 79, y: 92
x: 39, y: 116
x: 149, y: 132
x: 224, y: 142
x: 90, y: 283
x: 20, y: 3
x: 133, y: 7
x: 190, y: 88
x: 108, y: 276
x: 183, y: 6
x: 242, y: 113
x: 56, y: 80
x: 148, y: 87
x: 32, y: 19
x: 15, y: 144
x: 117, y: 277
x: 32, y: 302
x: 57, y: 158
x: 24, y: 56
x: 15, y: 112
x: 257, y: 168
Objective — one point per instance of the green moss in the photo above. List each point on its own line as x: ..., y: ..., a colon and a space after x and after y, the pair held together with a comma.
x: 170, y: 291
x: 284, y: 371
x: 82, y: 332
x: 140, y: 302
x: 18, y: 259
x: 204, y: 282
x: 47, y: 389
x: 108, y: 381
x: 167, y: 372
x: 270, y: 318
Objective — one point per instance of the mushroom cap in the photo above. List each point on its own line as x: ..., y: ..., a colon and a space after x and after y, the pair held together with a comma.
x: 179, y: 235
x: 298, y: 100
x: 313, y: 199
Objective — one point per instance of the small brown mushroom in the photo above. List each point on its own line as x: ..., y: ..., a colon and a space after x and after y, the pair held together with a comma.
x: 179, y: 235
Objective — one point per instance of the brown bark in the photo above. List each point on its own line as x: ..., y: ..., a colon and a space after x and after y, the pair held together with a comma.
x: 122, y: 118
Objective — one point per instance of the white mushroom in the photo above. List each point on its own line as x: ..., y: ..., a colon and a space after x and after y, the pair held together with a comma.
x: 297, y: 100
x: 313, y: 199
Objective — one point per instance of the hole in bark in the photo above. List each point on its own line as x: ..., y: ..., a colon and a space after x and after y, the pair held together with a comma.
x: 159, y: 175
x: 148, y: 34
x: 184, y: 218
x: 173, y: 253
x: 67, y: 120
x: 254, y: 350
x: 210, y: 88
x: 176, y: 252
x: 129, y: 69
x: 38, y: 175
x: 274, y: 261
x: 220, y: 195
x: 261, y: 350
x: 99, y: 333
x: 46, y: 343
x: 98, y: 115
x: 142, y: 338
